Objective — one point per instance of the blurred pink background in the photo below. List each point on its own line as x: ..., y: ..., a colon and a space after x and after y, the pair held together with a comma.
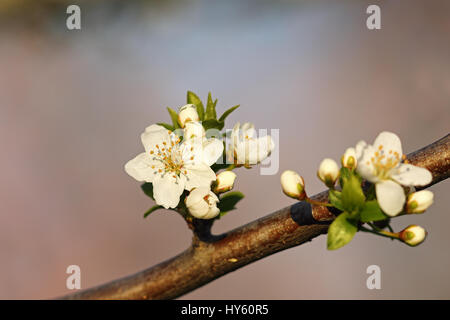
x: 73, y: 104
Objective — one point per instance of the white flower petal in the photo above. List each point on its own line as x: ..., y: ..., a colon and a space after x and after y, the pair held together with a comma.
x: 365, y: 166
x: 390, y: 196
x: 247, y: 152
x: 192, y: 152
x: 201, y: 203
x: 234, y: 138
x: 360, y: 146
x: 389, y: 141
x: 140, y: 168
x: 248, y: 130
x: 349, y: 158
x: 167, y: 190
x: 199, y: 175
x: 154, y: 135
x: 187, y: 113
x: 194, y: 130
x: 196, y: 203
x: 265, y: 147
x: 409, y: 175
x: 212, y: 150
x: 212, y: 213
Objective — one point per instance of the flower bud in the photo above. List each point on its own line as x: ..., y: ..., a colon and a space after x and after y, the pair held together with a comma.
x: 413, y: 235
x: 348, y: 160
x: 194, y: 130
x: 202, y: 203
x: 187, y: 113
x: 293, y: 185
x: 419, y: 201
x: 328, y: 172
x: 225, y: 181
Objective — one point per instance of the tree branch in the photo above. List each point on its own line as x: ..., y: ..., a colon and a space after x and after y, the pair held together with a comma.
x: 211, y: 256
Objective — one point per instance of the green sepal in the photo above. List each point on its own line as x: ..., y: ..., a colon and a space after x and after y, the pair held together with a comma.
x: 154, y: 208
x: 335, y: 198
x: 353, y: 197
x: 227, y: 113
x: 210, y: 109
x: 372, y: 212
x: 344, y: 175
x: 174, y: 117
x: 148, y: 189
x: 341, y: 231
x: 166, y: 125
x: 213, y: 124
x: 228, y: 201
x: 192, y: 98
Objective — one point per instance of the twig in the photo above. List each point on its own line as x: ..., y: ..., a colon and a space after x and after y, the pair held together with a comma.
x: 211, y: 256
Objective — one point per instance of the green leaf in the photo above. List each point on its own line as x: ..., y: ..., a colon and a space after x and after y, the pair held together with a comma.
x: 174, y: 116
x: 192, y: 98
x: 372, y: 212
x: 148, y: 189
x: 228, y: 201
x: 227, y: 113
x: 219, y: 166
x: 335, y: 198
x: 166, y: 125
x: 344, y: 175
x: 213, y: 123
x: 352, y: 195
x: 154, y: 208
x: 341, y: 231
x: 210, y: 109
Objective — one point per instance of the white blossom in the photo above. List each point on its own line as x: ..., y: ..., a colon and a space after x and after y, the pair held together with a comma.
x: 292, y: 184
x: 202, y: 203
x: 194, y: 130
x: 348, y: 160
x: 419, y: 201
x: 187, y: 113
x: 413, y: 235
x: 173, y: 166
x: 225, y: 181
x: 328, y: 171
x: 247, y: 149
x: 381, y: 164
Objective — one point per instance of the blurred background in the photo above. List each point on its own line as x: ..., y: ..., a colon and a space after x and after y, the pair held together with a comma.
x: 73, y: 104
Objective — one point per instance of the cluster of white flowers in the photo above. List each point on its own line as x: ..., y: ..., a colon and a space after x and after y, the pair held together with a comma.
x: 181, y: 160
x: 384, y: 165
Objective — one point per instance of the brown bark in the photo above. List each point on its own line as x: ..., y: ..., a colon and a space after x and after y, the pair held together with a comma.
x: 211, y: 256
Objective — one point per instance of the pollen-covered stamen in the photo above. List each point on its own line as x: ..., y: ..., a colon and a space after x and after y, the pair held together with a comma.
x: 384, y: 162
x: 170, y: 157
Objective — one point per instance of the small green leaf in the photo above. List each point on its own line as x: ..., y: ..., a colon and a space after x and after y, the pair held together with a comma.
x: 372, y: 212
x: 227, y: 113
x: 192, y: 98
x: 213, y: 124
x: 219, y: 166
x: 344, y: 175
x: 370, y: 193
x: 148, y: 189
x: 166, y: 125
x: 335, y: 198
x: 228, y: 201
x: 210, y: 109
x: 174, y: 116
x: 352, y: 195
x: 341, y: 232
x: 154, y: 208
